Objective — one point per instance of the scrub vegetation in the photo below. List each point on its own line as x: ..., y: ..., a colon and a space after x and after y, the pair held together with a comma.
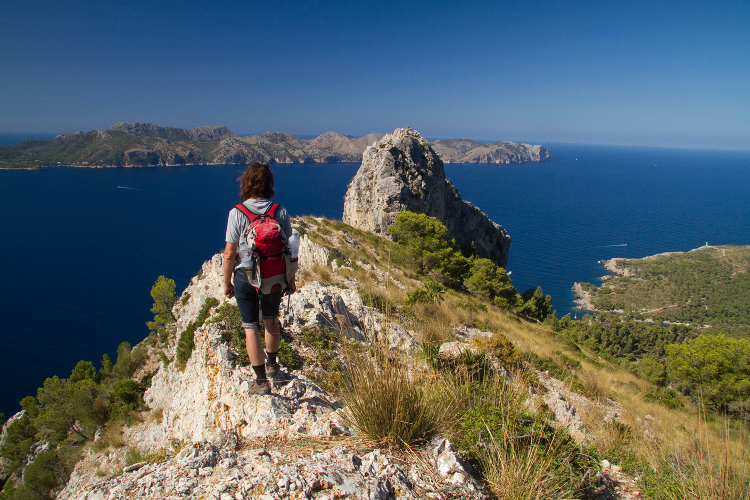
x: 89, y: 408
x: 709, y: 286
x: 667, y: 404
x: 644, y: 411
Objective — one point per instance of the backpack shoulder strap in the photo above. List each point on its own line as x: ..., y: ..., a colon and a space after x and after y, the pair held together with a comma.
x: 271, y: 212
x: 242, y: 208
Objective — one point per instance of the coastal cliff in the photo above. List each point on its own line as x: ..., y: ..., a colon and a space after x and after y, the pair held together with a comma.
x: 145, y: 144
x: 401, y: 172
x: 466, y: 151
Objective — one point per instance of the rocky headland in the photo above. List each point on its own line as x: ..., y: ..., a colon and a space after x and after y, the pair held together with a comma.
x: 467, y: 151
x: 402, y: 171
x: 145, y: 144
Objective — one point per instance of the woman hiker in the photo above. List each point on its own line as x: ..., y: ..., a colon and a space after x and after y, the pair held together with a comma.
x: 256, y: 191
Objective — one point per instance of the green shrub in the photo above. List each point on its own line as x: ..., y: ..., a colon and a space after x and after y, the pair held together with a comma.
x: 535, y: 304
x: 41, y: 476
x: 164, y: 298
x: 288, y: 356
x: 128, y: 360
x: 664, y: 396
x: 125, y: 396
x: 652, y: 370
x: 423, y: 243
x: 713, y: 368
x: 67, y: 408
x: 499, y: 346
x: 415, y: 297
x: 83, y: 370
x: 187, y: 339
x: 229, y: 315
x: 489, y: 280
x: 19, y: 439
x: 106, y: 367
x: 319, y: 338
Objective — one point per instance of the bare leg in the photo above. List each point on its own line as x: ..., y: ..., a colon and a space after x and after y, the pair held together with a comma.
x: 273, y: 334
x: 255, y: 348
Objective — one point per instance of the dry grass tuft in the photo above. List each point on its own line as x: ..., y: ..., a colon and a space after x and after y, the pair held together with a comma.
x: 386, y: 402
x: 110, y: 437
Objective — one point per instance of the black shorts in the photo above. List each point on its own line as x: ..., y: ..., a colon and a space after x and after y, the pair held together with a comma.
x: 251, y: 302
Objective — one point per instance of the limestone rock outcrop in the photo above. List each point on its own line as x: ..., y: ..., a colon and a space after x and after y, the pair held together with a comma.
x: 268, y: 472
x: 467, y: 151
x: 401, y: 172
x: 208, y: 400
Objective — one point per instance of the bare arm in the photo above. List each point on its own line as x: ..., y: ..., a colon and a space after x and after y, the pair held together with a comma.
x: 230, y: 252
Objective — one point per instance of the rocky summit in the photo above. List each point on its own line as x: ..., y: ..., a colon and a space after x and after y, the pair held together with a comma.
x: 401, y: 171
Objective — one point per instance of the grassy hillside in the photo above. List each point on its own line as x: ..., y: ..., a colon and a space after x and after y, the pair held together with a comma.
x: 668, y: 446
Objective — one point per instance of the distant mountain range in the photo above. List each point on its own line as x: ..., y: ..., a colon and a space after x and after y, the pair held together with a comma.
x: 145, y: 144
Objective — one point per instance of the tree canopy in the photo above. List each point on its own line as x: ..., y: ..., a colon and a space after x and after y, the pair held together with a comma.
x: 714, y: 368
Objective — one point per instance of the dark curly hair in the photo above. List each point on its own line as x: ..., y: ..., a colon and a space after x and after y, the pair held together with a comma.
x: 256, y: 182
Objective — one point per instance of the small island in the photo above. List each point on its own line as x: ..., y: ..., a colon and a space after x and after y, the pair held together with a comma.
x: 708, y: 287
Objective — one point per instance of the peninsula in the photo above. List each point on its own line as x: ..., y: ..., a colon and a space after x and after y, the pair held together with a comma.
x: 708, y: 287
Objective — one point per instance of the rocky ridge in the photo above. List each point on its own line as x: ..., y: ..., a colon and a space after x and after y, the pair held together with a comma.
x: 401, y: 172
x: 217, y: 441
x: 467, y: 151
x: 145, y: 144
x: 174, y: 134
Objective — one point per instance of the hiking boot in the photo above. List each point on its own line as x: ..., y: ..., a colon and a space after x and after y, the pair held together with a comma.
x: 274, y: 372
x: 261, y: 388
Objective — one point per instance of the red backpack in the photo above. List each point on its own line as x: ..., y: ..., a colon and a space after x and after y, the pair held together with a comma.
x: 266, y: 240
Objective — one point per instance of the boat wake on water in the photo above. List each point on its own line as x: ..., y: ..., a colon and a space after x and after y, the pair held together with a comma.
x: 125, y: 187
x: 620, y: 245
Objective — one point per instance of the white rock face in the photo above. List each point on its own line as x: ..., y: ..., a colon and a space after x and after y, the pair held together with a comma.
x: 401, y: 172
x: 208, y: 401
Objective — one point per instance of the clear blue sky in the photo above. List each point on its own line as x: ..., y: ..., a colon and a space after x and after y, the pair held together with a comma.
x: 652, y: 73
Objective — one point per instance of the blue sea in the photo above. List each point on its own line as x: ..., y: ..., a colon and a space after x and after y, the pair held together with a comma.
x: 82, y: 247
